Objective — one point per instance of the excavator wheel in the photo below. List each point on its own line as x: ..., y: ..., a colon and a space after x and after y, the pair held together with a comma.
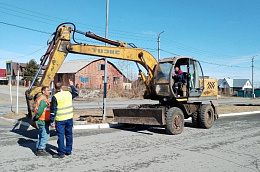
x: 206, y: 116
x: 174, y: 121
x: 195, y: 120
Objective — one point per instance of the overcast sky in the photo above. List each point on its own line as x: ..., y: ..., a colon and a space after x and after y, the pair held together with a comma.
x: 223, y: 34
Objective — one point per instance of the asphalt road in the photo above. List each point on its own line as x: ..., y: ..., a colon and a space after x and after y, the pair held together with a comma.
x: 5, y: 107
x: 232, y: 144
x: 5, y: 104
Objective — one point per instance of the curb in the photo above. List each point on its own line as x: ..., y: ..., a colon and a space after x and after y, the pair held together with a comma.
x: 115, y: 124
x: 75, y: 127
x: 17, y: 122
x: 237, y: 114
x: 97, y: 126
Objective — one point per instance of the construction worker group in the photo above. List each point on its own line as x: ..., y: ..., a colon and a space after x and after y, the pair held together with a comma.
x: 57, y: 114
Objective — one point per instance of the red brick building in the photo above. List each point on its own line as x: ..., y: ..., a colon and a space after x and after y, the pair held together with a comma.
x: 3, y: 79
x: 89, y: 73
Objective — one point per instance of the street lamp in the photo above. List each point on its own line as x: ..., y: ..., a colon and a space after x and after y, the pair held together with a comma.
x: 159, y: 45
x: 105, y: 71
x: 253, y: 92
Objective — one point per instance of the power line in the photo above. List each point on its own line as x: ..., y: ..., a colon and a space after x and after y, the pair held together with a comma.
x: 113, y: 32
x: 126, y: 34
x: 195, y: 51
x: 27, y: 54
x: 18, y: 41
x: 216, y: 64
x: 170, y: 52
x: 50, y: 18
x: 95, y: 42
x: 257, y: 68
x: 25, y: 28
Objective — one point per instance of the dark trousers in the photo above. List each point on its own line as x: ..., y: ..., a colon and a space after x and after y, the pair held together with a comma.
x: 64, y: 130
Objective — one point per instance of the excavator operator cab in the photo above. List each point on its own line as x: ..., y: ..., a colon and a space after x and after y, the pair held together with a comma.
x: 178, y: 77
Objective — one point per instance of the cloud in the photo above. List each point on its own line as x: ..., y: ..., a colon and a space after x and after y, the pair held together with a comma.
x: 244, y: 59
x: 7, y: 56
x: 149, y: 33
x: 240, y: 60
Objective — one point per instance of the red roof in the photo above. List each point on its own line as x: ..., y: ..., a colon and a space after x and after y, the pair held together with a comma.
x: 2, y: 72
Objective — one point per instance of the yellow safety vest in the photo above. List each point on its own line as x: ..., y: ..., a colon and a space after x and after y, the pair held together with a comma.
x: 64, y: 106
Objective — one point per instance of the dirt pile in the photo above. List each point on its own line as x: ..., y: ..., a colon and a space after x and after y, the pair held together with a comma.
x: 120, y: 93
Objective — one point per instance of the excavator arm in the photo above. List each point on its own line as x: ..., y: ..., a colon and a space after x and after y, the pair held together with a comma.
x: 61, y: 45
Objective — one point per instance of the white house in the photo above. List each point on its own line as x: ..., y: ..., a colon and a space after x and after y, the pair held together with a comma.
x: 231, y: 86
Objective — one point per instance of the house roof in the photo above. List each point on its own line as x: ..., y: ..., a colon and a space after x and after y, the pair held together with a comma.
x: 229, y: 82
x: 15, y: 66
x: 233, y: 82
x: 220, y: 81
x: 74, y: 66
x: 239, y: 82
x: 22, y: 66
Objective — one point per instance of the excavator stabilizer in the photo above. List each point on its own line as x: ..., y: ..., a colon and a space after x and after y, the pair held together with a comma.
x: 146, y: 116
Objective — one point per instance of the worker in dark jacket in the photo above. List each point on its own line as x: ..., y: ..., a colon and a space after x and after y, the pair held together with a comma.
x: 62, y: 114
x: 179, y: 79
x: 42, y: 118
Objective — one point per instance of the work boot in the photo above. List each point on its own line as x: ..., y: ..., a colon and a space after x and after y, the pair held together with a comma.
x: 57, y: 156
x: 41, y: 152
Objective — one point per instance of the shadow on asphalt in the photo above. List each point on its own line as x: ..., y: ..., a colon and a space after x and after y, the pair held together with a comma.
x: 142, y: 129
x: 188, y: 124
x: 246, y: 104
x: 24, y: 131
x: 28, y: 143
x: 29, y: 135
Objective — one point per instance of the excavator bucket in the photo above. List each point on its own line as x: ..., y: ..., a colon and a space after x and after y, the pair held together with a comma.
x: 146, y: 116
x: 30, y: 106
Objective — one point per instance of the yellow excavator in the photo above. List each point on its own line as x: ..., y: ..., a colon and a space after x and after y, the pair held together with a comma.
x: 194, y: 96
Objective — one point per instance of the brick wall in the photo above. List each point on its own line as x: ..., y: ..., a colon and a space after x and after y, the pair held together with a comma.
x: 92, y: 77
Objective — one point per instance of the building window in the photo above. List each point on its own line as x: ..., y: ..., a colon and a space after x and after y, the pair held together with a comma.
x: 115, y: 80
x: 101, y: 67
x: 103, y: 79
x: 59, y: 77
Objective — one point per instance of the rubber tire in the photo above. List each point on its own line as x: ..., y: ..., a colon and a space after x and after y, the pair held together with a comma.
x: 206, y: 116
x: 195, y: 120
x: 173, y: 115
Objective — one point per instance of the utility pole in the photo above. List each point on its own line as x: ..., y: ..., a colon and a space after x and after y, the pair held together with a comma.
x: 17, y: 83
x: 159, y: 45
x: 253, y: 91
x: 11, y: 97
x: 105, y: 71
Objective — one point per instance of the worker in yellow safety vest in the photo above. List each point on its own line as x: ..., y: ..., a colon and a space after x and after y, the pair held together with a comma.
x: 42, y: 118
x: 62, y: 118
